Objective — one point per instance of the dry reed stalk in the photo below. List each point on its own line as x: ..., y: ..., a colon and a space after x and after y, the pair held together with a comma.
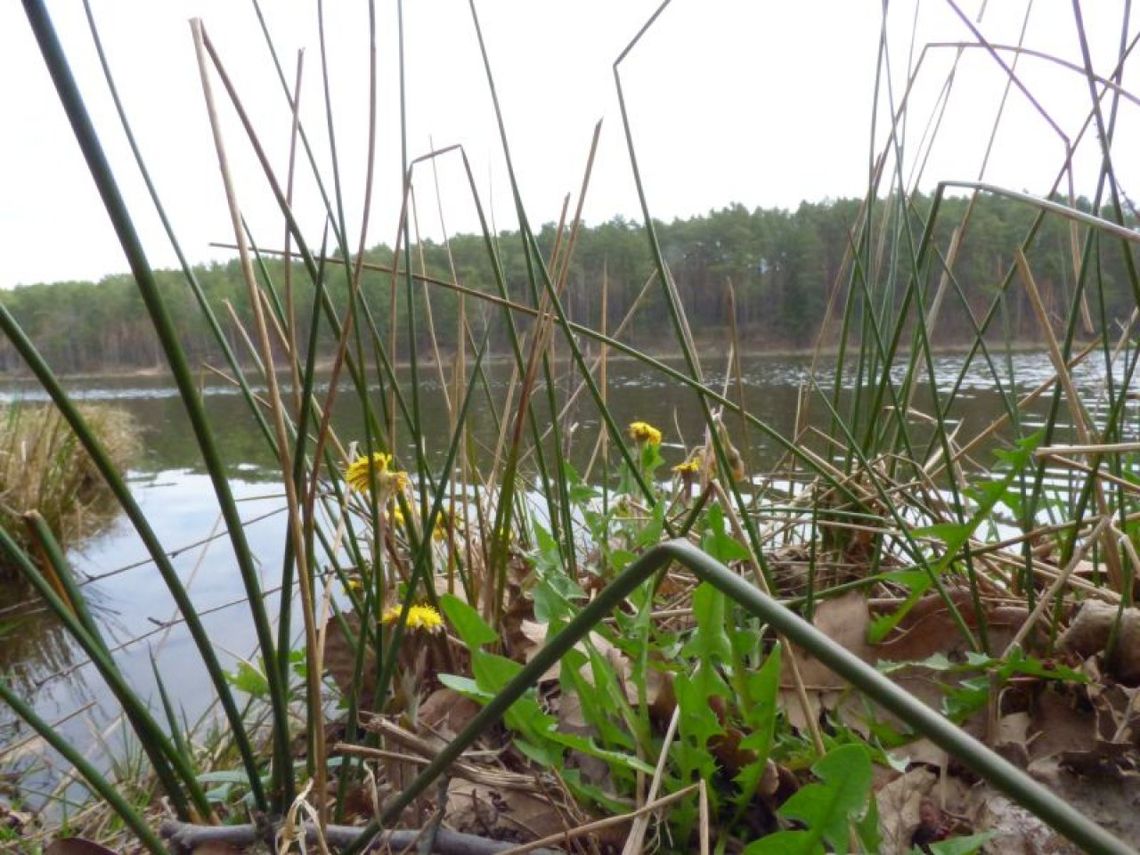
x: 277, y: 409
x: 1084, y: 433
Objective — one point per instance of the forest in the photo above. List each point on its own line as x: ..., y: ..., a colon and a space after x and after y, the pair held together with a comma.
x: 774, y: 269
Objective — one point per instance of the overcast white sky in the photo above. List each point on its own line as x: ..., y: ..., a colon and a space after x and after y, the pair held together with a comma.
x: 764, y: 103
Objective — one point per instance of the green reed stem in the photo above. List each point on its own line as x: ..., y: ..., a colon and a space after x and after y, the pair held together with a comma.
x: 163, y: 755
x: 160, y: 209
x: 103, y: 788
x: 88, y: 140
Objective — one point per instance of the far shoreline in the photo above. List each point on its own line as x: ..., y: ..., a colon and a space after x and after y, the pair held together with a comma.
x: 705, y: 350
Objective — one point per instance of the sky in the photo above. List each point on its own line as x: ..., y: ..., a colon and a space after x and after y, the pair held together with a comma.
x: 762, y: 103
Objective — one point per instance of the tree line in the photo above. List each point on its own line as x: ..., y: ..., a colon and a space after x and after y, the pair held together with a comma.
x: 772, y: 271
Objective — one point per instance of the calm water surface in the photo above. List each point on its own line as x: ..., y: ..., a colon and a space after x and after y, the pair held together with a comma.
x: 131, y: 601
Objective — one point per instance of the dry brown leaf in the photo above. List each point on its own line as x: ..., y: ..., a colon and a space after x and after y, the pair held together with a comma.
x: 1110, y: 802
x: 898, y: 804
x: 446, y: 712
x: 927, y: 630
x: 340, y: 659
x: 1017, y: 830
x: 76, y: 846
x: 1059, y: 726
x: 1089, y: 631
x: 506, y: 814
x: 845, y: 620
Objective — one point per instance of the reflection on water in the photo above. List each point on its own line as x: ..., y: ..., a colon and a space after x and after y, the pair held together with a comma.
x: 131, y: 600
x: 635, y: 391
x: 136, y: 613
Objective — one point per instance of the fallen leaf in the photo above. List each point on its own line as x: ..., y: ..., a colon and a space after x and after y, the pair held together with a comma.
x: 899, y: 802
x: 502, y: 814
x: 445, y: 712
x: 76, y: 846
x: 1016, y: 829
x: 1057, y: 725
x: 1088, y: 635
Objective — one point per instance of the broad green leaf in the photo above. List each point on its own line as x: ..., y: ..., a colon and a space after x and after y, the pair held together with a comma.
x: 466, y: 687
x: 837, y: 799
x: 867, y: 829
x: 785, y: 843
x: 698, y: 723
x: 472, y: 630
x: 492, y: 672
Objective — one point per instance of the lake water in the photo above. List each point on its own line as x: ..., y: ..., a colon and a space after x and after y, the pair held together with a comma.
x: 131, y: 601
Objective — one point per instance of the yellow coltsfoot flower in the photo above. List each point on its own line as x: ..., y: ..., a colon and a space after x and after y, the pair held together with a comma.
x: 359, y: 472
x: 644, y: 432
x: 689, y: 468
x: 395, y: 482
x: 419, y: 617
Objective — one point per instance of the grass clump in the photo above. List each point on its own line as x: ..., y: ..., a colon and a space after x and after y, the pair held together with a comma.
x: 44, y: 468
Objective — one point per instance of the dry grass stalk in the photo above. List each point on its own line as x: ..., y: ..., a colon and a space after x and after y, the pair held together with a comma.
x: 44, y: 468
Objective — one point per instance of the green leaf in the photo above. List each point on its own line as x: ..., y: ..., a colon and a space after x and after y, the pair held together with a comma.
x: 249, y: 680
x: 867, y: 829
x: 763, y: 687
x: 493, y: 672
x: 698, y: 723
x: 466, y: 687
x: 951, y: 533
x: 881, y: 626
x: 650, y: 533
x: 785, y: 843
x: 840, y: 796
x: 587, y: 746
x: 472, y: 630
x: 961, y: 845
x: 224, y: 776
x: 710, y: 643
x: 717, y: 542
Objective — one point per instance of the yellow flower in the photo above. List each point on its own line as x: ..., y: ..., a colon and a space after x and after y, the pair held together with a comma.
x: 396, y: 481
x: 354, y: 584
x: 644, y: 432
x: 359, y: 472
x: 689, y: 468
x: 396, y: 516
x: 419, y: 617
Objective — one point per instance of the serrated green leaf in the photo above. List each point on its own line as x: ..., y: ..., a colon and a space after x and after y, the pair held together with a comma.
x: 763, y: 689
x: 249, y: 680
x: 840, y: 796
x: 710, y: 642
